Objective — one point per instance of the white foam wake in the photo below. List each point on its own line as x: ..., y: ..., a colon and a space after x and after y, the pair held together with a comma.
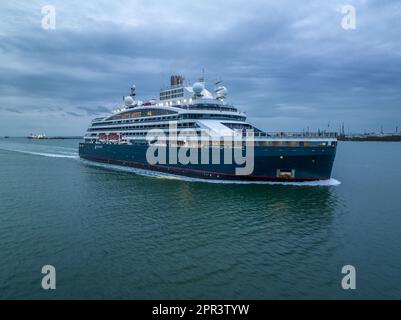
x: 50, y: 154
x: 162, y: 175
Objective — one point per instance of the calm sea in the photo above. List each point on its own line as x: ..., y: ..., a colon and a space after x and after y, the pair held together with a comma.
x: 119, y: 235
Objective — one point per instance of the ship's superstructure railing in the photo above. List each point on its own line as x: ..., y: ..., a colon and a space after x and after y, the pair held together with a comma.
x: 98, y: 120
x: 292, y: 135
x: 216, y: 107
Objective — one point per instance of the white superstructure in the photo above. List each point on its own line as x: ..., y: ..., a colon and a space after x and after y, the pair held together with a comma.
x: 188, y: 107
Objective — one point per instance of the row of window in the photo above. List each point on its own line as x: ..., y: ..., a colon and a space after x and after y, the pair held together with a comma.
x: 148, y: 112
x: 220, y: 143
x: 167, y: 118
x: 293, y: 143
x: 171, y: 118
x: 172, y: 91
x: 129, y: 134
x: 147, y: 127
x: 213, y: 116
x: 170, y: 94
x: 211, y: 107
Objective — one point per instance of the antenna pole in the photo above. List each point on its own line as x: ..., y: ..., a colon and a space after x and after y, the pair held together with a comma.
x: 202, y: 79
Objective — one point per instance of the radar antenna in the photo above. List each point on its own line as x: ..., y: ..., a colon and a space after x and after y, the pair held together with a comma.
x: 133, y: 91
x: 220, y: 91
x: 202, y: 77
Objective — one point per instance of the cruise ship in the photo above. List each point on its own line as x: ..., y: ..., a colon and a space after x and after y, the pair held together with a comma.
x: 194, y: 132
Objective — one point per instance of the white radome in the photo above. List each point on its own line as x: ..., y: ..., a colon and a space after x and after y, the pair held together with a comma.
x: 198, y: 87
x: 128, y: 101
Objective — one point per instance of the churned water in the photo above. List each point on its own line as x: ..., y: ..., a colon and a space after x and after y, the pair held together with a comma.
x: 126, y: 234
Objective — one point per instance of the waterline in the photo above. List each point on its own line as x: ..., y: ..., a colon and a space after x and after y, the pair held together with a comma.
x: 162, y: 175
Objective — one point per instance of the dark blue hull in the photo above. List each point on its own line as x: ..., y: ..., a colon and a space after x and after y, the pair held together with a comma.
x: 297, y: 163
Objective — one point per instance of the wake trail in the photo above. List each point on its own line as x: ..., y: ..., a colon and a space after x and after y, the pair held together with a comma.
x: 49, y: 154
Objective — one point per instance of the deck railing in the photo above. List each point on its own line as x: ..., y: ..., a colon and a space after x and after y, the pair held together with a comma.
x: 283, y: 135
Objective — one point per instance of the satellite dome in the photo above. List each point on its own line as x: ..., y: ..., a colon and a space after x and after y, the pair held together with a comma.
x: 198, y: 88
x: 128, y: 101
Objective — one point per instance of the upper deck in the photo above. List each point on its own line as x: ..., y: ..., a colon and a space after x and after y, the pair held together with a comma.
x: 192, y: 107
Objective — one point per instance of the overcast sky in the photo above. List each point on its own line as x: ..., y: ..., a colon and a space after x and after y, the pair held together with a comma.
x: 287, y: 64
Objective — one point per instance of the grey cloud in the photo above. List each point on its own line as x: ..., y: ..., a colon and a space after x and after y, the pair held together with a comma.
x: 13, y: 110
x: 74, y: 114
x: 93, y: 111
x: 281, y: 60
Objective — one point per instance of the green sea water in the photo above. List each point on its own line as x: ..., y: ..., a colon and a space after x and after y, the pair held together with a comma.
x: 115, y: 234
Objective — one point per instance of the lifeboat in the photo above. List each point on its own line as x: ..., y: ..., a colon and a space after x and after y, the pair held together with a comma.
x: 114, y: 136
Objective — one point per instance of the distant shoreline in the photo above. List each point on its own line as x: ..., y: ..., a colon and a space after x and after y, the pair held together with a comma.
x: 56, y: 138
x: 389, y: 138
x: 46, y: 138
